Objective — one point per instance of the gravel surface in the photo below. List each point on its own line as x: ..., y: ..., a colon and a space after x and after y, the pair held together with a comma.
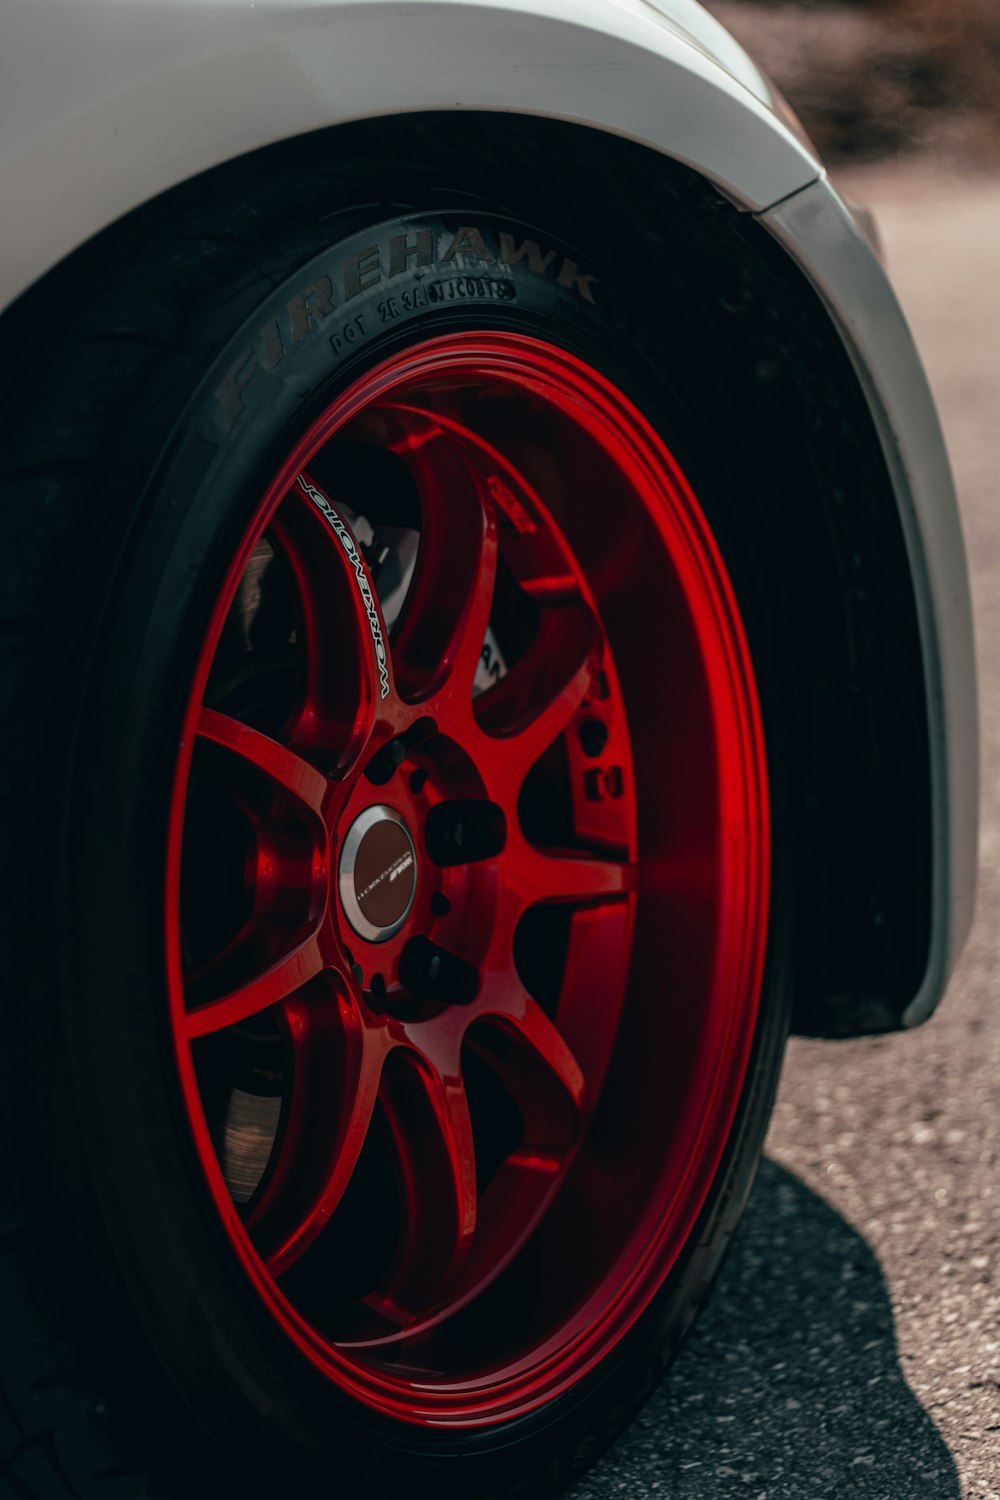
x: 852, y: 1347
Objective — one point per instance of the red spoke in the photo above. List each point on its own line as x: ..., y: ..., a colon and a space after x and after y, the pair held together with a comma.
x: 564, y: 876
x: 346, y: 674
x: 282, y: 870
x: 509, y: 1210
x: 534, y: 1062
x: 278, y: 980
x: 437, y: 1271
x: 336, y: 1066
x: 539, y: 563
x: 258, y: 751
x: 428, y: 1114
x: 536, y: 702
x: 593, y: 986
x: 440, y: 633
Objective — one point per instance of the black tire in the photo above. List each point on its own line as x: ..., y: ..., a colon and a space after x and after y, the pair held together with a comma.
x: 152, y: 387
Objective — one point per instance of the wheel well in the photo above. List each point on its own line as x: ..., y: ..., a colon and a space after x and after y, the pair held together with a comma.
x: 817, y: 510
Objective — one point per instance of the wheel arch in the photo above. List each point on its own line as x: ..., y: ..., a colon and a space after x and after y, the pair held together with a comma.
x: 825, y: 517
x: 130, y: 104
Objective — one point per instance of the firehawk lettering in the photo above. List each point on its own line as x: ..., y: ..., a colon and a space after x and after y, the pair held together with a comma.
x: 343, y: 535
x: 310, y: 309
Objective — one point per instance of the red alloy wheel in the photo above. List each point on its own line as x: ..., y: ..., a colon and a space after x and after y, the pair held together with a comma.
x: 467, y: 891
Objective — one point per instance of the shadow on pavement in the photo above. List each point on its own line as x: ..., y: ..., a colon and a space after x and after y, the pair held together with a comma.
x: 790, y: 1385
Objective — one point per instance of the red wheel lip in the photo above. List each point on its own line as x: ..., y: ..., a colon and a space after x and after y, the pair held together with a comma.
x: 551, y: 1368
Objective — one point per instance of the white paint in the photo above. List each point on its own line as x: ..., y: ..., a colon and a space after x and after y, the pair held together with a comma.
x: 817, y: 229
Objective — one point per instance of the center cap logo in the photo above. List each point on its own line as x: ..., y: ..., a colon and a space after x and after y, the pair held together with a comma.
x: 378, y: 873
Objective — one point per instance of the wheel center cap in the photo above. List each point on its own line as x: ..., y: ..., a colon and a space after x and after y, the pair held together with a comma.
x: 378, y: 873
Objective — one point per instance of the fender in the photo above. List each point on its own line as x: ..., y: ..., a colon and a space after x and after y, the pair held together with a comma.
x: 134, y: 99
x: 818, y: 231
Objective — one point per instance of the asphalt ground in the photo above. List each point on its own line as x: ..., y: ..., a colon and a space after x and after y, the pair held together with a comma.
x: 852, y: 1346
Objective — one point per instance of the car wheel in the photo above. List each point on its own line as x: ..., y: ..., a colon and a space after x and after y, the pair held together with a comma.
x: 415, y: 979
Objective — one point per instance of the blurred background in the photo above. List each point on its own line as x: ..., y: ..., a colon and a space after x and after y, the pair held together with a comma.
x: 871, y: 78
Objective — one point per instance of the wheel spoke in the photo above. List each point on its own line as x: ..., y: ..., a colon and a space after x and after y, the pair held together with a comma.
x: 530, y: 1058
x: 509, y: 1210
x: 535, y: 703
x: 535, y: 1064
x: 566, y: 877
x: 428, y: 1114
x: 336, y: 1066
x: 346, y: 672
x: 453, y: 1245
x: 281, y: 767
x: 539, y: 564
x: 439, y: 637
x: 593, y: 986
x: 277, y: 869
x: 278, y: 980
